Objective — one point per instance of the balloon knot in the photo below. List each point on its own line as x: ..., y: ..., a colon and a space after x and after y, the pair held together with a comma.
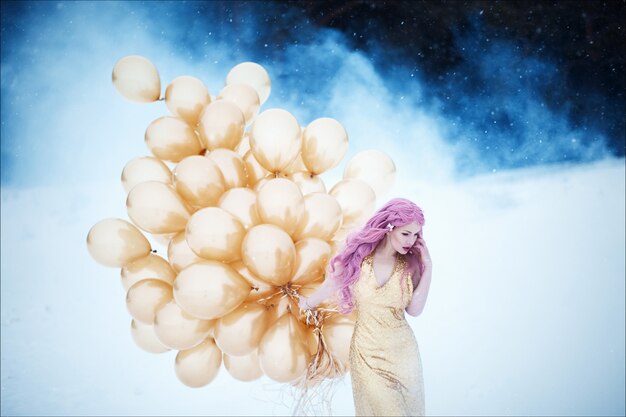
x: 287, y: 290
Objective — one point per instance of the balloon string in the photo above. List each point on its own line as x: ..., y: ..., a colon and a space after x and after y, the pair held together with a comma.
x: 285, y: 290
x: 269, y: 297
x: 322, y: 366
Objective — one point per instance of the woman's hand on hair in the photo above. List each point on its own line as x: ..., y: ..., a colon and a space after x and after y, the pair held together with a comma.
x: 423, y: 253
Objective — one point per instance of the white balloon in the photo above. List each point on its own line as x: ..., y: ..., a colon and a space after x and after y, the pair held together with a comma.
x: 252, y: 74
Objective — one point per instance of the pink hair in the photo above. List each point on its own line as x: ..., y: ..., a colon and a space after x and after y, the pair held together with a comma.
x: 345, y: 267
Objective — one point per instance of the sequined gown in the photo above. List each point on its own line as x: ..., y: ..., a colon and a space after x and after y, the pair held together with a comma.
x: 385, y: 363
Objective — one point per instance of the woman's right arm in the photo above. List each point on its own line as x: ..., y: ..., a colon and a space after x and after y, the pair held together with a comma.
x: 324, y: 292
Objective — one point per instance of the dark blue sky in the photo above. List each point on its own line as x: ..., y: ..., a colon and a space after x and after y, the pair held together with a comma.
x: 518, y: 84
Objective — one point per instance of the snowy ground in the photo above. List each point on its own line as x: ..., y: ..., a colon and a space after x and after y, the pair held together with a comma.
x: 525, y: 315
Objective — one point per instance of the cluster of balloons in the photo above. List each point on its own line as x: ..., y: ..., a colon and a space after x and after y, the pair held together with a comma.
x: 236, y: 196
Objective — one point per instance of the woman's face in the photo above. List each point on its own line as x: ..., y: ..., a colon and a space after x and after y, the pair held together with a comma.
x: 402, y: 238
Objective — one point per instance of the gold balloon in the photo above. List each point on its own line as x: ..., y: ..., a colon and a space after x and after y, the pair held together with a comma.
x: 296, y: 165
x: 244, y: 145
x: 252, y: 74
x: 198, y: 366
x: 232, y: 166
x: 306, y: 335
x: 221, y: 125
x: 280, y: 202
x: 180, y: 254
x: 245, y: 97
x: 116, y: 243
x: 261, y: 183
x: 244, y: 368
x: 336, y: 245
x: 373, y: 167
x: 264, y: 180
x: 310, y: 287
x: 356, y: 198
x: 269, y: 253
x: 199, y: 181
x: 163, y: 239
x: 145, y: 168
x: 186, y: 97
x: 259, y: 289
x: 307, y: 182
x: 241, y: 203
x: 275, y: 139
x: 214, y: 233
x: 322, y: 217
x: 342, y: 234
x: 254, y: 170
x: 349, y: 318
x: 144, y: 337
x: 157, y: 208
x: 324, y: 143
x: 239, y: 332
x: 337, y: 335
x: 150, y: 266
x: 312, y: 255
x: 137, y: 79
x: 210, y: 289
x: 283, y: 352
x: 146, y: 297
x: 178, y: 329
x: 172, y: 139
x: 279, y: 306
x: 306, y: 331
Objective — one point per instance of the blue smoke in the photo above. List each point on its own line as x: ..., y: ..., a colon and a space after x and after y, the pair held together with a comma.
x: 491, y: 111
x: 512, y: 106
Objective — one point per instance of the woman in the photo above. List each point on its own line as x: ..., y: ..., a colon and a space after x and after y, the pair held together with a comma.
x: 383, y: 270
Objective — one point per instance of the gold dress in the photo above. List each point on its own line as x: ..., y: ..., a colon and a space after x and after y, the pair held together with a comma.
x: 385, y: 363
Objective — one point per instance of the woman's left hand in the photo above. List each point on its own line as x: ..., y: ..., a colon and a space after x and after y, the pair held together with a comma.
x: 423, y: 252
x: 303, y: 303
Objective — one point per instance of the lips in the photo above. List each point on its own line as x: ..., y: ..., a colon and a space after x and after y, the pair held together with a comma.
x: 406, y: 248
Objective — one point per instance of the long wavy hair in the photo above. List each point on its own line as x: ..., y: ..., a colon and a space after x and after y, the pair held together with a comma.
x: 345, y: 267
